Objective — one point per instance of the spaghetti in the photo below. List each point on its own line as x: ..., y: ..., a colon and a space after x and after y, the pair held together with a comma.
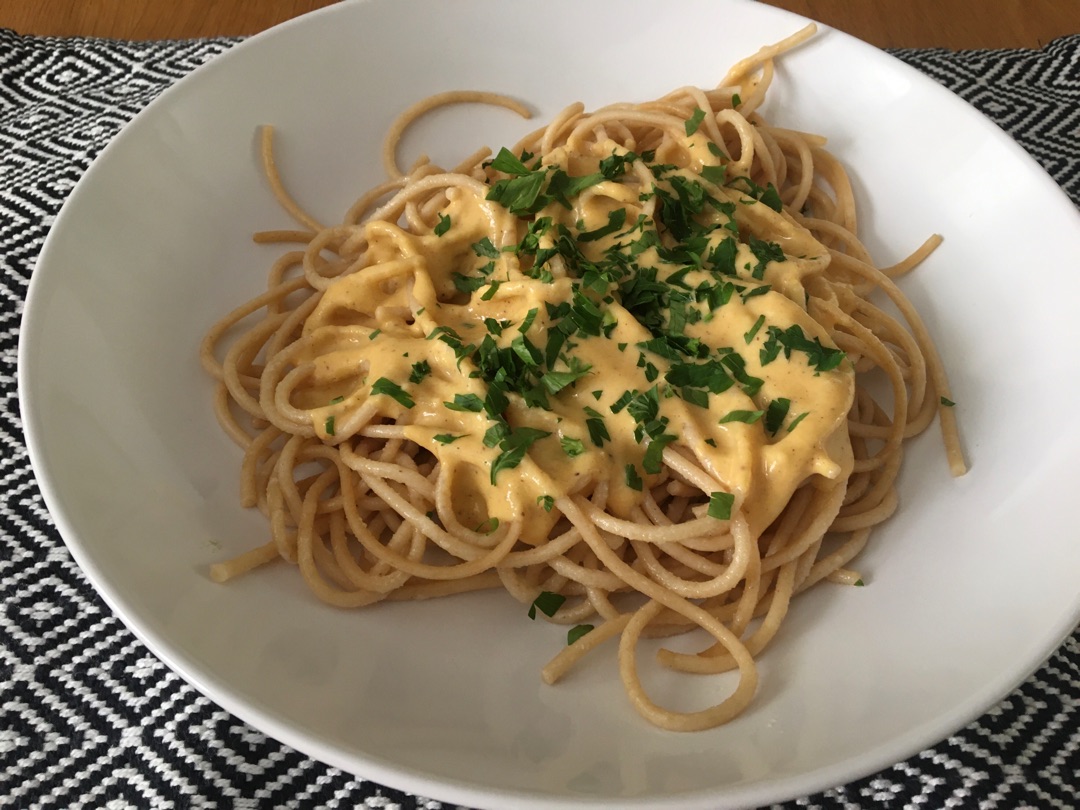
x: 617, y: 370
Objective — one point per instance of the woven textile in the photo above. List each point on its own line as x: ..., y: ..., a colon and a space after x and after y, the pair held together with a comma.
x: 89, y: 718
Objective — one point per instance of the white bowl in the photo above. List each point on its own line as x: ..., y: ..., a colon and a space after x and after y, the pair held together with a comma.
x: 971, y: 585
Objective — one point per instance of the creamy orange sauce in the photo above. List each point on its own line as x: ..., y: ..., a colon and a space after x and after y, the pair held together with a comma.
x: 383, y: 320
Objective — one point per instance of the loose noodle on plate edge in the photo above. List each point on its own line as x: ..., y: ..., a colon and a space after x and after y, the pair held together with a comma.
x: 540, y: 372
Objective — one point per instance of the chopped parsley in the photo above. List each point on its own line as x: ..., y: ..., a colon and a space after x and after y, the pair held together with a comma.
x: 695, y: 121
x: 764, y: 252
x: 716, y: 175
x: 506, y: 162
x: 749, y: 336
x: 572, y: 447
x: 776, y: 413
x: 792, y: 339
x: 419, y: 370
x: 488, y: 526
x: 576, y: 632
x: 654, y: 453
x: 598, y: 431
x: 466, y: 402
x: 749, y: 417
x: 720, y: 504
x: 392, y: 390
x: 796, y: 420
x: 485, y: 249
x: 447, y: 438
x: 547, y: 603
x: 513, y: 448
x: 646, y: 282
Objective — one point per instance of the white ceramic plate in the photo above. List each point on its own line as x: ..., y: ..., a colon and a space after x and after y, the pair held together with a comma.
x: 971, y: 585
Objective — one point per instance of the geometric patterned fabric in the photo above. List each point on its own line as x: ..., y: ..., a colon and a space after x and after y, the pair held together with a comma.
x: 89, y: 718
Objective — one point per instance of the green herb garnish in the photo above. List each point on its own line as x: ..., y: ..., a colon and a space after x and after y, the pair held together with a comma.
x: 572, y: 447
x: 547, y: 603
x: 720, y: 504
x: 514, y: 447
x: 419, y: 370
x: 574, y: 633
x: 392, y: 390
x: 447, y: 438
x: 776, y: 413
x: 695, y: 121
x: 749, y: 417
x: 749, y: 336
x: 466, y: 402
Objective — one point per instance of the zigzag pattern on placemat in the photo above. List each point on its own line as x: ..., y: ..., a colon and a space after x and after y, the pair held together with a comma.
x: 1032, y: 95
x: 89, y: 718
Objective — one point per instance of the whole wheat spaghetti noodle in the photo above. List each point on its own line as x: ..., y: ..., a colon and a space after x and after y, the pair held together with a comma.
x: 618, y: 370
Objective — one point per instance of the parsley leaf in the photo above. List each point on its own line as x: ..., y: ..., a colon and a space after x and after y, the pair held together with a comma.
x: 796, y: 420
x: 468, y: 284
x: 771, y: 198
x: 765, y: 252
x: 419, y: 371
x: 572, y: 447
x: 717, y: 175
x: 556, y: 381
x: 507, y: 163
x: 695, y: 121
x: 443, y: 225
x: 466, y: 402
x: 514, y: 447
x: 598, y: 431
x: 393, y: 390
x: 576, y: 632
x: 485, y: 249
x: 749, y: 417
x: 520, y: 195
x: 819, y: 356
x: 776, y: 413
x: 547, y: 603
x: 720, y: 504
x: 749, y: 336
x: 616, y: 219
x: 654, y: 453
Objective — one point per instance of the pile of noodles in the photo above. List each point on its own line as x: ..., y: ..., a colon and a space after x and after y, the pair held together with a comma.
x: 367, y: 515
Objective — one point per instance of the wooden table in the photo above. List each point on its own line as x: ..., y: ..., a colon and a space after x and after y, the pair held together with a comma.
x: 886, y: 23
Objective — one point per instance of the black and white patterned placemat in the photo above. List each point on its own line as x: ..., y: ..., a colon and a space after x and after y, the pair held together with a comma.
x: 89, y: 718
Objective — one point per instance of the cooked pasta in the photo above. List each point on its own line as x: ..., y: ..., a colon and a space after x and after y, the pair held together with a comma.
x: 618, y: 370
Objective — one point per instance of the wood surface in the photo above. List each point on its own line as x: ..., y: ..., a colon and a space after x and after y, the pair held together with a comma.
x: 958, y: 24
